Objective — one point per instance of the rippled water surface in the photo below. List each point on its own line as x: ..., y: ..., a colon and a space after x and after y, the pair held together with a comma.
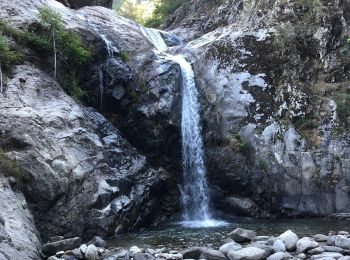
x: 176, y: 236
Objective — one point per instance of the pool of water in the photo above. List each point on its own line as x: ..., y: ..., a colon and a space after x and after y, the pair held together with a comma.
x: 177, y: 236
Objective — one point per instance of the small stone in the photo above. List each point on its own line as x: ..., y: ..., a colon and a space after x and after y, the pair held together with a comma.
x: 289, y: 239
x: 99, y: 242
x: 77, y: 253
x: 343, y: 233
x: 326, y: 255
x: 193, y: 253
x: 301, y: 256
x: 135, y: 250
x: 331, y: 240
x: 242, y: 235
x: 342, y: 241
x: 143, y: 256
x: 316, y: 251
x: 100, y: 250
x: 211, y: 254
x: 124, y: 254
x: 91, y: 253
x: 279, y: 256
x: 333, y: 249
x: 60, y: 253
x: 151, y: 251
x: 249, y: 253
x: 232, y: 246
x: 320, y: 238
x: 173, y: 252
x: 279, y: 246
x: 53, y: 258
x: 305, y: 244
x: 83, y: 248
x: 260, y: 238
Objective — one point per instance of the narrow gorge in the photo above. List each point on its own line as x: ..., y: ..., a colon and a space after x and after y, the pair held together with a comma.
x: 222, y: 135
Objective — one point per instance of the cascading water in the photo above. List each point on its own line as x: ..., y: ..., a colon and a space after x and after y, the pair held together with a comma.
x: 110, y: 50
x: 194, y: 191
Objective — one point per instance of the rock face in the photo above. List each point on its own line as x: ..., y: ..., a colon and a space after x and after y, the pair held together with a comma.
x: 270, y: 84
x: 76, y: 4
x: 82, y: 176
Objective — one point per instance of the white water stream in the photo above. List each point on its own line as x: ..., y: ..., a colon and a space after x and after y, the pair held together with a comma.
x: 194, y: 190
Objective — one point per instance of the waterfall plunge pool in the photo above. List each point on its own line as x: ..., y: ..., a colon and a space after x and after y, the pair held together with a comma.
x: 177, y: 236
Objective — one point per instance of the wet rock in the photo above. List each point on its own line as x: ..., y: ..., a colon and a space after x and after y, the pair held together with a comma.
x: 320, y: 238
x: 53, y: 258
x: 305, y: 244
x: 261, y: 238
x: 333, y: 249
x: 344, y: 258
x: 135, y: 250
x: 343, y: 233
x: 124, y: 254
x: 56, y: 238
x: 242, y: 235
x: 232, y: 246
x: 279, y: 256
x: 290, y: 240
x: 83, y: 248
x: 143, y: 256
x: 342, y: 241
x: 91, y: 253
x: 301, y: 256
x: 78, y: 4
x: 61, y: 245
x: 241, y: 206
x: 60, y: 254
x: 326, y: 255
x: 99, y: 242
x: 192, y: 253
x: 250, y: 253
x: 279, y: 246
x: 316, y: 251
x: 211, y: 254
x: 77, y: 253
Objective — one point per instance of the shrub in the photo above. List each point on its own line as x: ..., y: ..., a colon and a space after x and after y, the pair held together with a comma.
x: 163, y: 10
x: 343, y: 108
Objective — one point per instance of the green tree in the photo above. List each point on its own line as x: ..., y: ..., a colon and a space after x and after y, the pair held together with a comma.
x: 164, y: 9
x: 7, y: 58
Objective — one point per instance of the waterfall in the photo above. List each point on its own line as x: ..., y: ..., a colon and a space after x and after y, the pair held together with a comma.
x: 194, y: 190
x: 110, y: 50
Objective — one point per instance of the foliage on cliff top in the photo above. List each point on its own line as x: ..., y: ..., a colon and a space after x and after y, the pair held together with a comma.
x: 8, y: 55
x: 164, y: 9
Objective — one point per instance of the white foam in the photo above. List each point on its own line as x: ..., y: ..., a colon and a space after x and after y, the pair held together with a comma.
x: 208, y: 223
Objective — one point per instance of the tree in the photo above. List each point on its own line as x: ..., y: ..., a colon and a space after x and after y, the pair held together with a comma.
x: 164, y: 9
x: 7, y: 58
x: 53, y: 20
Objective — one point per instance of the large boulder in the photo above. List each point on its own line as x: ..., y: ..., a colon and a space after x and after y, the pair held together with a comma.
x: 342, y: 241
x: 305, y: 244
x: 242, y: 235
x: 249, y: 253
x: 231, y: 246
x: 290, y: 239
x: 52, y: 248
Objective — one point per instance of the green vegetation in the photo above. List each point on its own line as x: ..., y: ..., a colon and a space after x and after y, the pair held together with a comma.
x: 263, y: 165
x: 124, y: 56
x: 60, y: 50
x: 239, y: 145
x: 163, y: 10
x: 10, y: 168
x: 134, y: 10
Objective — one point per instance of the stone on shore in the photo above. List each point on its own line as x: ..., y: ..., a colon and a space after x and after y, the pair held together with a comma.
x: 305, y: 244
x: 211, y: 254
x: 232, y: 246
x: 192, y: 253
x: 290, y: 239
x: 326, y: 255
x: 242, y: 235
x: 143, y: 256
x: 249, y: 253
x: 52, y: 248
x: 342, y: 241
x: 279, y: 246
x: 91, y: 253
x: 279, y: 256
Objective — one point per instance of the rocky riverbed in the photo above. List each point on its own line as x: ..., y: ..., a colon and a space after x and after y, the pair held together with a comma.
x: 240, y: 244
